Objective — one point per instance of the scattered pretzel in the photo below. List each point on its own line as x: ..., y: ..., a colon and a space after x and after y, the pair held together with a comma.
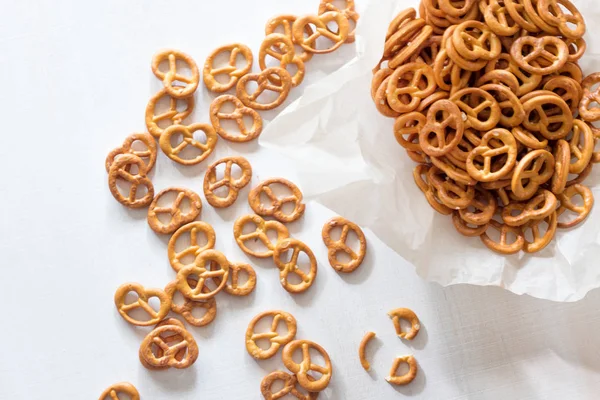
x: 264, y: 80
x: 231, y: 70
x: 143, y: 295
x: 233, y: 287
x: 186, y: 309
x: 194, y: 248
x: 178, y: 217
x: 274, y: 338
x: 167, y: 357
x: 262, y: 227
x: 170, y: 77
x: 187, y: 135
x: 321, y: 29
x: 291, y: 267
x: 289, y: 387
x: 237, y: 115
x: 211, y: 184
x: 303, y: 368
x: 408, y: 377
x: 336, y: 246
x: 203, y: 273
x: 407, y: 315
x: 362, y: 350
x: 275, y: 209
x: 149, y: 153
x: 172, y: 114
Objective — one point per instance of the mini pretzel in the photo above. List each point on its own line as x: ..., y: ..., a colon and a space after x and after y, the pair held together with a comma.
x: 458, y: 173
x: 568, y: 89
x: 172, y: 114
x: 451, y: 121
x: 536, y: 168
x: 232, y: 286
x: 320, y: 22
x: 168, y: 338
x: 264, y: 83
x: 516, y: 10
x: 194, y: 249
x: 537, y: 118
x: 551, y: 12
x: 428, y: 190
x: 237, y: 115
x: 512, y: 112
x: 529, y: 139
x: 466, y: 228
x: 582, y: 146
x: 291, y: 267
x: 289, y: 387
x: 566, y: 203
x: 126, y: 388
x: 142, y: 302
x: 126, y: 148
x: 411, y: 47
x: 484, y: 205
x: 168, y: 357
x: 349, y: 12
x: 407, y: 315
x: 203, y: 273
x: 406, y: 378
x: 233, y: 185
x: 538, y: 208
x: 454, y: 195
x: 281, y: 47
x: 340, y: 245
x: 409, y: 124
x: 503, y: 246
x: 402, y: 18
x: 170, y: 77
x: 547, y: 50
x: 231, y: 69
x: 414, y: 90
x: 540, y: 241
x: 274, y: 338
x: 527, y: 81
x: 275, y: 209
x: 500, y: 77
x: 285, y: 22
x: 589, y: 97
x: 362, y: 348
x: 178, y: 218
x: 473, y: 102
x: 187, y: 134
x: 395, y: 43
x: 381, y: 100
x: 260, y: 233
x: 562, y: 159
x: 474, y: 40
x: 188, y: 306
x: 303, y: 369
x: 483, y: 172
x: 119, y: 170
x: 497, y: 17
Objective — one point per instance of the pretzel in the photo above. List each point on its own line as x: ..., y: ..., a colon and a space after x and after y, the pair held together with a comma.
x: 187, y: 134
x: 589, y: 97
x: 172, y: 114
x: 552, y: 127
x: 260, y: 233
x: 538, y: 208
x: 407, y: 315
x: 527, y: 81
x: 285, y: 22
x: 263, y: 80
x: 551, y: 12
x: 428, y: 190
x: 303, y: 368
x: 231, y: 70
x: 401, y: 19
x: 409, y: 124
x: 119, y: 171
x: 188, y: 306
x: 503, y: 247
x: 349, y: 12
x: 562, y: 159
x: 170, y: 77
x: 452, y: 194
x: 168, y: 339
x: 473, y: 102
x: 484, y: 207
x: 469, y: 65
x: 381, y: 100
x: 168, y: 357
x: 289, y: 387
x: 581, y: 145
x: 497, y: 17
x: 281, y: 47
x: 407, y: 42
x: 142, y: 302
x: 200, y: 270
x: 232, y: 286
x: 451, y: 120
x: 211, y: 184
x: 126, y: 388
x: 413, y: 90
x: 237, y: 115
x: 529, y: 48
x: 474, y: 40
x: 458, y: 173
x: 291, y: 267
x: 486, y: 150
x: 275, y: 209
x: 275, y: 339
x: 321, y: 29
x: 406, y: 378
x: 539, y: 241
x: 528, y: 139
x: 566, y: 203
x: 536, y: 168
x: 193, y: 249
x: 500, y: 77
x: 362, y: 350
x: 126, y: 148
x: 466, y: 228
x: 178, y: 218
x: 568, y: 89
x: 512, y: 112
x: 336, y: 246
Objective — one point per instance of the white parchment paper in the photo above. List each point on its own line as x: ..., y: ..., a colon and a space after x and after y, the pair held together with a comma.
x: 348, y: 160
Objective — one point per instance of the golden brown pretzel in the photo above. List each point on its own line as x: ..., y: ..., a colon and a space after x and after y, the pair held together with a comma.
x: 238, y: 116
x: 260, y: 233
x: 281, y: 47
x: 143, y: 295
x: 540, y: 241
x: 264, y: 79
x: 399, y: 20
x: 535, y: 169
x: 362, y: 350
x: 187, y: 135
x: 414, y: 89
x: 168, y: 78
x: 484, y: 207
x: 581, y: 145
x: 562, y: 160
x: 451, y: 121
x: 406, y: 378
x: 551, y: 12
x: 568, y: 89
x: 474, y: 102
x: 503, y: 246
x: 466, y: 228
x: 233, y: 287
x: 566, y: 203
x: 321, y: 29
x: 289, y: 387
x: 275, y: 209
x: 303, y: 368
x: 211, y: 184
x: 452, y: 194
x: 487, y: 150
x: 203, y: 272
x: 474, y: 40
x: 276, y: 340
x: 291, y: 267
x: 498, y: 18
x: 547, y: 50
x: 169, y: 351
x: 286, y: 21
x: 428, y: 190
x: 586, y: 111
x: 408, y: 315
x: 186, y: 309
x: 409, y: 124
x: 119, y: 170
x: 173, y: 114
x: 231, y: 69
x: 194, y: 248
x: 336, y: 246
x: 113, y: 391
x: 512, y: 112
x: 178, y: 218
x: 349, y: 12
x: 528, y: 139
x: 538, y: 208
x: 149, y: 153
x: 538, y: 118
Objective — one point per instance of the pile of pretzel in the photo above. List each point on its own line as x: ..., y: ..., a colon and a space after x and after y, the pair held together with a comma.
x: 491, y: 103
x: 202, y: 271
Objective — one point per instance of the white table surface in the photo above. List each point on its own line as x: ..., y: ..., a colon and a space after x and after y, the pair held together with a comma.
x: 75, y: 81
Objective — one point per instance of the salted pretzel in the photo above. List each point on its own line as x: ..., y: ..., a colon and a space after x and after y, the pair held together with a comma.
x: 203, y: 150
x: 285, y: 22
x: 281, y: 47
x: 406, y: 378
x: 203, y: 269
x: 587, y: 112
x: 533, y: 170
x: 349, y: 12
x: 210, y: 73
x: 545, y: 50
x: 504, y: 245
x: 321, y: 29
x: 407, y: 315
x: 194, y: 248
x: 113, y: 392
x: 233, y: 185
x: 171, y: 76
x: 172, y: 114
x: 143, y: 296
x: 275, y: 208
x: 276, y: 340
x: 414, y: 90
x: 186, y: 310
x: 336, y: 246
x: 237, y: 115
x: 538, y: 208
x: 148, y: 154
x: 447, y: 132
x: 169, y: 351
x: 260, y: 233
x: 291, y: 267
x: 482, y: 170
x: 303, y: 369
x: 289, y: 387
x: 120, y: 171
x: 233, y: 286
x: 177, y: 217
x: 264, y: 80
x: 566, y: 203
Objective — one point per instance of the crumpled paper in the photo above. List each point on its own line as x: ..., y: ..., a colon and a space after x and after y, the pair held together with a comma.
x: 348, y: 160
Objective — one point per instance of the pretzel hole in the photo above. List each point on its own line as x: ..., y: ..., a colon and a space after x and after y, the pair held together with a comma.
x: 341, y: 5
x: 256, y: 245
x: 138, y: 146
x: 242, y: 276
x: 526, y: 49
x: 571, y: 25
x: 403, y: 369
x: 121, y: 396
x: 303, y: 262
x: 272, y: 235
x: 178, y: 298
x: 198, y: 310
x: 222, y: 192
x: 342, y: 257
x: 277, y: 386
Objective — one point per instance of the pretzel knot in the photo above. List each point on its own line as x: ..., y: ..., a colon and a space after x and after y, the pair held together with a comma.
x: 335, y: 246
x: 303, y: 368
x: 276, y: 340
